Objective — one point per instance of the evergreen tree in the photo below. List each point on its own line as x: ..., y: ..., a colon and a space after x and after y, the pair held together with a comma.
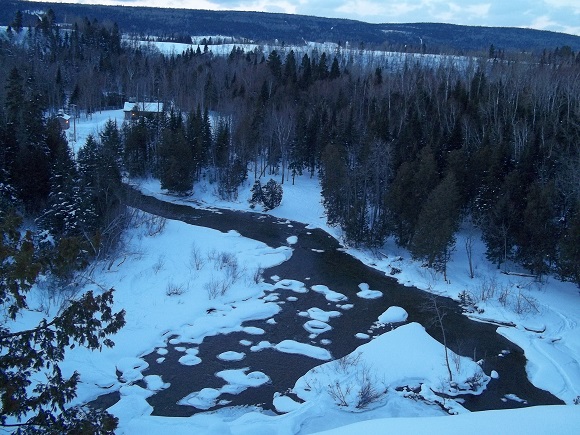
x: 100, y: 178
x: 272, y: 195
x: 135, y: 149
x: 333, y: 181
x: 306, y: 68
x: 410, y: 189
x: 176, y: 165
x: 33, y: 392
x: 569, y: 247
x: 257, y: 194
x: 111, y: 141
x: 537, y: 247
x: 61, y: 214
x: 438, y: 222
x: 290, y: 68
x: 322, y: 67
x: 334, y: 70
x: 275, y: 64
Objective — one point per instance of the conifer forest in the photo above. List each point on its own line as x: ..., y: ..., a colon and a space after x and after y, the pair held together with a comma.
x: 410, y: 147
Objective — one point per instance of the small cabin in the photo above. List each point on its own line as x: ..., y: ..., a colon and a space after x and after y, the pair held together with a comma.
x: 134, y: 111
x: 63, y: 119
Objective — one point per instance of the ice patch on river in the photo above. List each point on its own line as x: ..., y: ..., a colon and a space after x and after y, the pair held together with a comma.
x: 366, y: 293
x: 330, y: 295
x: 231, y: 355
x: 292, y: 346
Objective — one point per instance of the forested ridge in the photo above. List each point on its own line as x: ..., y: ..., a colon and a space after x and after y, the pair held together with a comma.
x: 296, y: 29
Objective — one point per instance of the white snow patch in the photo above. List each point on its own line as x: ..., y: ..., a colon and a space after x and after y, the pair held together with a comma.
x: 292, y: 240
x: 230, y: 355
x: 291, y: 346
x: 285, y: 404
x: 366, y: 293
x: 393, y: 315
x: 330, y: 295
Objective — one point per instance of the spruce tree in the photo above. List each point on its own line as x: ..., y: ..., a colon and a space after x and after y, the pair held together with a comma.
x: 272, y: 195
x: 438, y: 222
x: 176, y: 165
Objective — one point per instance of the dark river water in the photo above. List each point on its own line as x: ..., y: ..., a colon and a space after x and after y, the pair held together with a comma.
x: 318, y: 259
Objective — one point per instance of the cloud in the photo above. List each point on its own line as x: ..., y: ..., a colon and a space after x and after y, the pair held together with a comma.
x: 574, y: 5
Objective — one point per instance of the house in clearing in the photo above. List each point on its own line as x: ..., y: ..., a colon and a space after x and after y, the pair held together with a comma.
x: 135, y: 110
x: 63, y: 119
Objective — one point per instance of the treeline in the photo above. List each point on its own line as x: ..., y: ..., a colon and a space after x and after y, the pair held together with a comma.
x: 404, y: 148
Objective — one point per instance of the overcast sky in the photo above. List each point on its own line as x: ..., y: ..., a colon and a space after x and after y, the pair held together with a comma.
x: 556, y: 15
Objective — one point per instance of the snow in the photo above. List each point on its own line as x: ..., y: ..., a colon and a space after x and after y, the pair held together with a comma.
x: 330, y: 295
x: 285, y: 404
x: 536, y: 420
x: 547, y: 331
x: 290, y: 284
x: 292, y: 346
x: 316, y: 313
x: 240, y: 380
x: 403, y: 357
x: 393, y: 315
x: 317, y: 327
x: 367, y: 293
x: 230, y: 355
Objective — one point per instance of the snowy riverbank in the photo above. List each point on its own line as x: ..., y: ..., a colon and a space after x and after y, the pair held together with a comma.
x: 167, y: 280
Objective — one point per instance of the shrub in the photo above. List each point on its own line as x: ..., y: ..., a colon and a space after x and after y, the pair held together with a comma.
x: 174, y: 289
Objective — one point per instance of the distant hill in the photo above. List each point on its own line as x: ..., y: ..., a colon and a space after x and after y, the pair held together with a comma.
x: 263, y: 27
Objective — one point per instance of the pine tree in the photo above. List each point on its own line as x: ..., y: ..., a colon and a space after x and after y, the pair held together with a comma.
x: 306, y: 68
x: 135, y: 150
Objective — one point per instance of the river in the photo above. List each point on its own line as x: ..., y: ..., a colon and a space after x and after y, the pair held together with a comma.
x: 319, y: 259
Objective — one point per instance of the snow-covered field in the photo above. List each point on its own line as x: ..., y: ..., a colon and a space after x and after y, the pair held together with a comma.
x: 167, y: 280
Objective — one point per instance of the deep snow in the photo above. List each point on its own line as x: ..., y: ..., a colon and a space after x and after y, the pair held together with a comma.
x: 166, y: 282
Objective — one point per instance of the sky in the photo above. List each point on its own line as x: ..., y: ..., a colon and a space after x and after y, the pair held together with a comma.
x: 554, y: 15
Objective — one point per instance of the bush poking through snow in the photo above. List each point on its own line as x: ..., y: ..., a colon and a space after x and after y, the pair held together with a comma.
x: 257, y: 277
x: 159, y: 264
x: 368, y: 392
x: 174, y: 289
x: 195, y: 258
x: 476, y: 381
x: 216, y: 287
x: 361, y: 392
x: 155, y: 225
x: 347, y: 362
x: 524, y: 304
